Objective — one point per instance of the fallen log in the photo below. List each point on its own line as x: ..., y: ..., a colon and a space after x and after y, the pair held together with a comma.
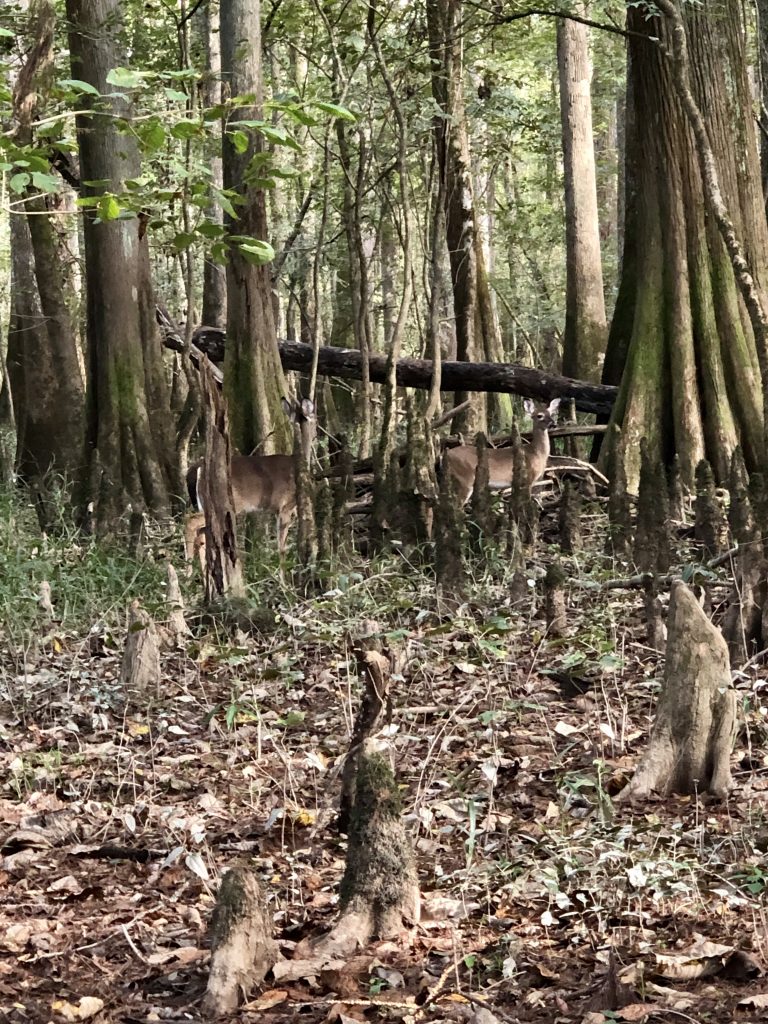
x: 500, y: 378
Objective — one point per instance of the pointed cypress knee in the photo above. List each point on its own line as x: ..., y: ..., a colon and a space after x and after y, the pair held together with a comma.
x: 570, y: 518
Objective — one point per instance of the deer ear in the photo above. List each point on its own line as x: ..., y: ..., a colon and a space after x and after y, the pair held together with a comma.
x: 554, y: 405
x: 287, y: 407
x: 529, y: 407
x: 307, y: 408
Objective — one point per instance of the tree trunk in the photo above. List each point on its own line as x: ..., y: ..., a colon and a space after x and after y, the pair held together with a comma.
x: 254, y: 378
x: 43, y: 366
x: 691, y: 383
x: 446, y: 55
x: 223, y: 572
x: 48, y: 391
x: 397, y: 326
x: 129, y: 446
x: 504, y: 378
x: 359, y: 285
x: 762, y: 46
x: 585, y: 327
x: 214, y: 275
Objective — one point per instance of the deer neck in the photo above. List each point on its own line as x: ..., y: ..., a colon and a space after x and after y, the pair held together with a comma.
x: 538, y: 453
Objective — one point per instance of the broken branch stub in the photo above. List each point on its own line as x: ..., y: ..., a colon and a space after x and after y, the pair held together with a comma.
x: 690, y: 746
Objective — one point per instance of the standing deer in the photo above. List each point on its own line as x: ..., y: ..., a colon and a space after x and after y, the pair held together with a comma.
x: 260, y: 483
x: 461, y: 462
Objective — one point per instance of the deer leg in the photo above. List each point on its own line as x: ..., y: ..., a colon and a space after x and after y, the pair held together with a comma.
x: 283, y: 524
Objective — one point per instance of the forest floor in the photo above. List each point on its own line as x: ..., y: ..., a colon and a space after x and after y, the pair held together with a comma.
x: 544, y: 900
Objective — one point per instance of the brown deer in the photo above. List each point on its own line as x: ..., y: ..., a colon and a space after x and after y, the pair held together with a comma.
x: 260, y: 483
x: 461, y: 462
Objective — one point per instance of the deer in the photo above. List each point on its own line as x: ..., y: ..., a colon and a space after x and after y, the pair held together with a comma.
x: 461, y: 462
x: 260, y: 483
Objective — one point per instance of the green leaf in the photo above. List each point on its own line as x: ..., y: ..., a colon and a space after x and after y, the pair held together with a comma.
x: 261, y: 183
x: 186, y: 129
x: 175, y: 94
x: 108, y: 207
x: 256, y: 251
x: 6, y: 33
x: 279, y: 137
x: 183, y: 240
x: 335, y: 110
x: 18, y: 182
x: 154, y: 137
x: 219, y: 253
x: 239, y: 141
x: 46, y: 182
x: 247, y: 124
x: 226, y: 204
x: 79, y: 86
x: 124, y: 78
x: 210, y: 229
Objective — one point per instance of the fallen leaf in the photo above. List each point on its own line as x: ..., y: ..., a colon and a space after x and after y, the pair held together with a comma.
x: 636, y: 1011
x: 87, y: 1007
x: 268, y: 999
x: 564, y: 729
x: 298, y: 970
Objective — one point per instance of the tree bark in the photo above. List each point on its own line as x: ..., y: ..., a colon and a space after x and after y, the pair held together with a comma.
x: 690, y: 746
x: 43, y: 367
x: 397, y: 327
x: 214, y: 275
x: 446, y: 55
x: 44, y: 363
x: 129, y: 446
x: 505, y: 378
x: 585, y: 326
x: 254, y: 379
x: 691, y: 383
x: 223, y: 572
x: 242, y: 947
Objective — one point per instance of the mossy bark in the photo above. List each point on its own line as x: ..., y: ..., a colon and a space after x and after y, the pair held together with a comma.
x: 242, y: 949
x: 130, y: 454
x: 691, y: 383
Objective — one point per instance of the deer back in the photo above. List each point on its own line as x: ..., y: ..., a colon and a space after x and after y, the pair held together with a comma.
x: 263, y: 483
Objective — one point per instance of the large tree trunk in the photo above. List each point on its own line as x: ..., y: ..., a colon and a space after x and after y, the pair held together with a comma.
x: 130, y: 450
x: 585, y: 327
x: 691, y: 383
x: 762, y: 44
x: 44, y: 363
x: 254, y: 378
x: 43, y: 366
x: 446, y: 54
